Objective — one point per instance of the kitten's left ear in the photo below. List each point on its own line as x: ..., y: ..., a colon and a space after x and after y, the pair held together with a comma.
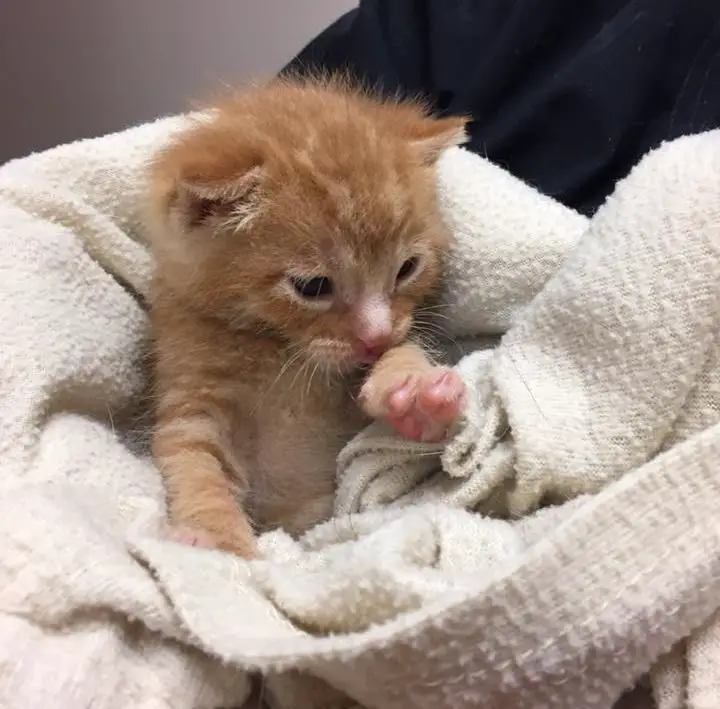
x: 432, y: 136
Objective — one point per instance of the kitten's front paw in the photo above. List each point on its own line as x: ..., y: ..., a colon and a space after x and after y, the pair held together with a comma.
x: 420, y: 407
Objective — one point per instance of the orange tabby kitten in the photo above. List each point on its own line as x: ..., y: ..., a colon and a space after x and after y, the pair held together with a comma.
x: 295, y: 230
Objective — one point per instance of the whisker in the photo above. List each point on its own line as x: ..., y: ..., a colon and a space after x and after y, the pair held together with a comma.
x: 429, y: 334
x: 431, y: 325
x: 308, y: 388
x: 300, y: 373
x: 438, y: 335
x: 434, y: 311
x: 434, y: 306
x: 111, y: 420
x: 294, y: 356
x: 433, y: 314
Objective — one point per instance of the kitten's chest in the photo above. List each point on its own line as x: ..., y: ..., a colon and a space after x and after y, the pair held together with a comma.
x: 296, y: 444
x: 303, y: 440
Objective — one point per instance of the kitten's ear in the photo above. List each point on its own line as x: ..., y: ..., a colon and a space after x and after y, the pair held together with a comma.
x: 208, y: 172
x: 202, y: 196
x: 432, y: 136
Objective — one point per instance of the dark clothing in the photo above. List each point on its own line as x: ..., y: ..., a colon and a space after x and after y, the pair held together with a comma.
x: 565, y: 94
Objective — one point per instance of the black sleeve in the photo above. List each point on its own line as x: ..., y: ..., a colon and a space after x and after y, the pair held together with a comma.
x: 566, y: 94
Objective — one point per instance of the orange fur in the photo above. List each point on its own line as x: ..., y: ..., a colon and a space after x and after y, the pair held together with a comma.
x: 296, y: 180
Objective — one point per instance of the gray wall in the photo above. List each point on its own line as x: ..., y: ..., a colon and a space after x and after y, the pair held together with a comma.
x: 76, y: 68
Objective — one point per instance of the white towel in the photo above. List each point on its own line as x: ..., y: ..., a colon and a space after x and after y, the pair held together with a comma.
x: 604, y: 390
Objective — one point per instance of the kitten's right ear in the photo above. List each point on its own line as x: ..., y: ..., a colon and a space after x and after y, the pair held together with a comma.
x: 235, y: 199
x: 208, y: 175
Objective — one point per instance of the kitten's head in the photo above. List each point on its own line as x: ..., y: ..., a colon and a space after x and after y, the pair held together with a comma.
x: 308, y: 209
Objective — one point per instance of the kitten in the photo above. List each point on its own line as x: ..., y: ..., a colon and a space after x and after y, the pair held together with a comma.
x: 295, y: 230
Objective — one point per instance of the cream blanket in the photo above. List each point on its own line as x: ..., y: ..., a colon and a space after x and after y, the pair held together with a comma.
x: 604, y: 393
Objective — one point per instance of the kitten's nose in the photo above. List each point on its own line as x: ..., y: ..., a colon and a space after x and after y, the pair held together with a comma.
x: 372, y: 328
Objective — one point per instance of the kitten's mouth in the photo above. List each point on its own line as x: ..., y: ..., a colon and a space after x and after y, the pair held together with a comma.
x: 352, y: 362
x: 368, y: 357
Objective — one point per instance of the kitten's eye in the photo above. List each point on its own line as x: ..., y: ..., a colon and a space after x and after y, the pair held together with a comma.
x: 407, y: 269
x: 310, y: 288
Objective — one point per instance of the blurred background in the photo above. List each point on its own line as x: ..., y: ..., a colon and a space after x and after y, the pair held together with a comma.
x: 80, y: 68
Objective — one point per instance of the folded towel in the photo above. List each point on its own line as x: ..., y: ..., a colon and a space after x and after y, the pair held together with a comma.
x: 602, y: 395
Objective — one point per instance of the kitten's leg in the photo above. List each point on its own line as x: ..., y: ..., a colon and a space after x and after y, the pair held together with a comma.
x: 419, y: 399
x: 194, y: 459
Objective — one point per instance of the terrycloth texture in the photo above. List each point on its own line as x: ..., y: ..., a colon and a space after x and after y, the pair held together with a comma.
x: 608, y: 373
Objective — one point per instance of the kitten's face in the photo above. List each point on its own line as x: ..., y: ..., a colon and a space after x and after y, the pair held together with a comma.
x: 343, y: 294
x: 337, y: 273
x: 312, y: 213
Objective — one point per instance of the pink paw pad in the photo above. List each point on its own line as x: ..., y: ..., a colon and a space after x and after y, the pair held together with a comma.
x: 423, y: 408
